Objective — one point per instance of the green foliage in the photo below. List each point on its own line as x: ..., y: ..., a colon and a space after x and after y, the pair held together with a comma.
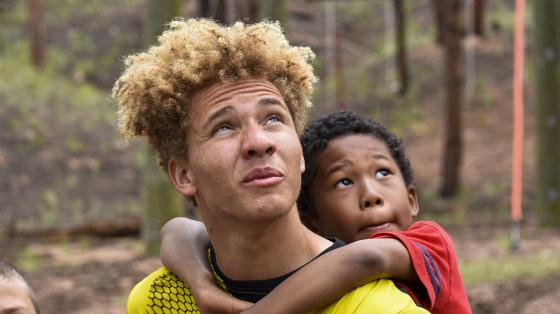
x: 84, y: 40
x: 40, y: 99
x: 50, y: 215
x: 494, y: 270
x: 503, y: 16
x: 27, y: 260
x: 61, y: 128
x: 362, y: 12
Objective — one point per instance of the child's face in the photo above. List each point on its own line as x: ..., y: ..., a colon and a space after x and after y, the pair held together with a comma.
x: 358, y: 190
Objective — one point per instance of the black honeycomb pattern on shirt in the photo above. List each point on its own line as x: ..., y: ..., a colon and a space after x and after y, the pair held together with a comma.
x: 169, y: 295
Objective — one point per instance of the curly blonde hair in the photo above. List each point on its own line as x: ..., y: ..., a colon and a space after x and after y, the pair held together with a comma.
x: 157, y: 85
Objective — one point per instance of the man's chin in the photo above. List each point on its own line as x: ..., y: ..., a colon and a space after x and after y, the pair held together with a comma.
x: 269, y: 208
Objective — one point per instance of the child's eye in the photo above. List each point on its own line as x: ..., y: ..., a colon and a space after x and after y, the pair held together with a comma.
x: 343, y: 183
x: 381, y: 173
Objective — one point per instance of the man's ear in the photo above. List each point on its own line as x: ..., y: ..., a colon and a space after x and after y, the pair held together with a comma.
x: 302, y: 164
x: 413, y: 200
x: 181, y: 176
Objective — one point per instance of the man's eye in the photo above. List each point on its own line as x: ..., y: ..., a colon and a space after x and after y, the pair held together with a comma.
x: 381, y: 173
x: 343, y: 183
x: 274, y: 119
x: 221, y: 128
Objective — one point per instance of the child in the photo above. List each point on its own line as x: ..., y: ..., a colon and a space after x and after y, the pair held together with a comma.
x: 358, y: 187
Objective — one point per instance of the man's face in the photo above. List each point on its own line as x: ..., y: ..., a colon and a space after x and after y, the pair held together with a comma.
x: 358, y: 190
x: 14, y: 298
x: 244, y: 159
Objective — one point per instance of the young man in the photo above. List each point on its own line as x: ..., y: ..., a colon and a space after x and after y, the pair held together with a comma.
x: 222, y: 107
x: 358, y: 185
x: 16, y: 295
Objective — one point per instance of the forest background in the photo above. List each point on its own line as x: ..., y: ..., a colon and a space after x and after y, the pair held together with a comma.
x: 71, y: 190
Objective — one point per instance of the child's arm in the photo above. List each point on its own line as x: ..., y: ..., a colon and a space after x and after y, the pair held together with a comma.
x: 184, y: 245
x: 332, y: 275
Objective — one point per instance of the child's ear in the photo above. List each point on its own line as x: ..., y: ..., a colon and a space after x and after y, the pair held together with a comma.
x: 413, y: 200
x: 181, y: 176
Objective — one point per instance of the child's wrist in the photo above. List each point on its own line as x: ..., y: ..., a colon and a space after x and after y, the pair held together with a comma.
x: 202, y: 282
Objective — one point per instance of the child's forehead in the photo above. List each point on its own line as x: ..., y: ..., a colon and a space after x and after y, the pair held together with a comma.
x: 352, y: 145
x: 351, y: 141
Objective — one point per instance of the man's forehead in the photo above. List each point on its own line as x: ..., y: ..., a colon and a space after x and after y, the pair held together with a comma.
x: 222, y: 90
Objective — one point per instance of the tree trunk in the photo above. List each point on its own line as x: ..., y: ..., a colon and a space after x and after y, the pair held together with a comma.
x: 339, y: 69
x: 253, y: 10
x: 439, y: 20
x: 215, y: 9
x: 547, y: 108
x: 400, y: 38
x: 160, y: 201
x: 275, y: 10
x: 454, y: 80
x: 479, y: 6
x: 36, y: 34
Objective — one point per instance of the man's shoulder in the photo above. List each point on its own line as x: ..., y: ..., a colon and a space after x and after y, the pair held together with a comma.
x: 380, y: 296
x: 161, y: 292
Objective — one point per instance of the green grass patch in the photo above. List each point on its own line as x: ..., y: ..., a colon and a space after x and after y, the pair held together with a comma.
x: 27, y: 260
x: 536, y: 265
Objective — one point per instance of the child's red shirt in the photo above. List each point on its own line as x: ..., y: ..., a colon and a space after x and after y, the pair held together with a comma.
x: 432, y: 253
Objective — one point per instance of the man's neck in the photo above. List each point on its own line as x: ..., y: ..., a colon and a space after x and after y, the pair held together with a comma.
x: 268, y: 250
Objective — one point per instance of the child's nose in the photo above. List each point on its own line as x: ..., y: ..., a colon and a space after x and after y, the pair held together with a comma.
x: 370, y: 198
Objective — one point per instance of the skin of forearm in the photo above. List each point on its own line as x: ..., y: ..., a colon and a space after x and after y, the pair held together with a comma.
x: 183, y: 250
x: 334, y: 274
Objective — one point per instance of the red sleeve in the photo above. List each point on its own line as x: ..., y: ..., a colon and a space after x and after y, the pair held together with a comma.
x: 435, y: 262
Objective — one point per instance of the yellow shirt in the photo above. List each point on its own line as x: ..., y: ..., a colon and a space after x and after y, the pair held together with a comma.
x: 163, y: 292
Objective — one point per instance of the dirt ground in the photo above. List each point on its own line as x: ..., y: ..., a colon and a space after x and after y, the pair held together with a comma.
x: 95, y: 275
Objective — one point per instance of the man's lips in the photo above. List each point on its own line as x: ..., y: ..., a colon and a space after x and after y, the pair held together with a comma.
x: 265, y: 176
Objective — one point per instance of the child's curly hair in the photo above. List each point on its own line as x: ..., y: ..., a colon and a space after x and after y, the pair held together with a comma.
x: 157, y: 85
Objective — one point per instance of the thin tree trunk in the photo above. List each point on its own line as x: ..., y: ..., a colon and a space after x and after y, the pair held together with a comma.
x: 215, y: 9
x: 479, y: 8
x: 160, y: 201
x: 253, y: 9
x: 339, y: 69
x: 11, y: 231
x: 36, y: 34
x: 439, y: 20
x: 400, y: 38
x: 547, y: 109
x: 454, y: 80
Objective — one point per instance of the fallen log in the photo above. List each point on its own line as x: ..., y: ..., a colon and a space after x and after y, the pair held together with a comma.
x: 120, y: 227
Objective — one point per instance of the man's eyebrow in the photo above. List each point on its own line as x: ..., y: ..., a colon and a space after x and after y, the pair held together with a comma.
x: 216, y: 115
x: 271, y: 101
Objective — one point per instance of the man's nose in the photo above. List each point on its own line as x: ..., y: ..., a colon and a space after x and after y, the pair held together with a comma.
x: 370, y: 196
x: 257, y: 142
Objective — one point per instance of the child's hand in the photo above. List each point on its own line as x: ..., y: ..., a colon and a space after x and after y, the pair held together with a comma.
x: 213, y: 300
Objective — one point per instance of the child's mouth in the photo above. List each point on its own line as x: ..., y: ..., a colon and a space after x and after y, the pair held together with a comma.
x: 375, y: 229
